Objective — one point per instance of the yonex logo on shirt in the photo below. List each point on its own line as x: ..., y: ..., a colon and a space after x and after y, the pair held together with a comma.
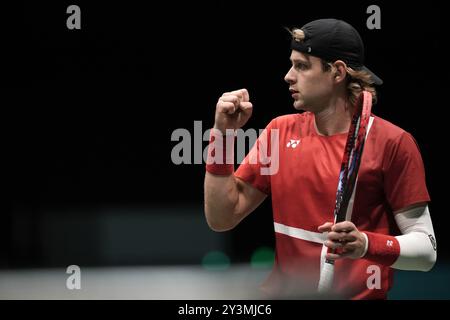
x: 293, y: 143
x: 389, y: 243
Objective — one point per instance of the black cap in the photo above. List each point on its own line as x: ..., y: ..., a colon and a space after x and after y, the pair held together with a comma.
x: 332, y: 40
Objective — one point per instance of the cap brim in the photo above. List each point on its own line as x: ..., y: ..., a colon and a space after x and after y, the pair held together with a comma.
x: 375, y: 78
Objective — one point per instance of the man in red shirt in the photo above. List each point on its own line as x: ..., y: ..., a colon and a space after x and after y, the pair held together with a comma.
x: 389, y: 226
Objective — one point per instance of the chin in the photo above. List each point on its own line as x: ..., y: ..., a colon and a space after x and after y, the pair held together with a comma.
x: 298, y: 105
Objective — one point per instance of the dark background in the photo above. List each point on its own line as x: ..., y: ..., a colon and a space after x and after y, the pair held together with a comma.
x: 88, y: 117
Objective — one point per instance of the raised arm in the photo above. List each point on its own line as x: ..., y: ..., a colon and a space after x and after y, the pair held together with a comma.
x: 228, y: 199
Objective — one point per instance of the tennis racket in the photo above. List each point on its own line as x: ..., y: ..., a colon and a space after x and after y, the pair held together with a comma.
x: 348, y: 175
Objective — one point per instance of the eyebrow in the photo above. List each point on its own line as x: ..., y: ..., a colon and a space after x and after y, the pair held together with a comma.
x: 307, y: 62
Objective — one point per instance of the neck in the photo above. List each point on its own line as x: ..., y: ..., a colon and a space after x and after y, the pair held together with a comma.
x: 334, y: 118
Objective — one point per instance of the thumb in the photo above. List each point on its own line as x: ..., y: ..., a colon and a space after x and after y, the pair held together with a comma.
x: 245, y: 105
x: 326, y: 227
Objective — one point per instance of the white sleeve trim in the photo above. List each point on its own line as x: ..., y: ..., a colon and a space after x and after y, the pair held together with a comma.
x: 366, y: 245
x: 417, y: 243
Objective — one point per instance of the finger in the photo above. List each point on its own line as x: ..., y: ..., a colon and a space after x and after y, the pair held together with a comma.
x: 246, y: 105
x: 246, y: 108
x: 245, y: 95
x: 226, y: 107
x: 326, y: 227
x: 336, y: 236
x: 231, y: 98
x: 332, y: 244
x: 350, y: 246
x: 237, y: 93
x: 353, y: 236
x: 345, y: 226
x: 341, y: 236
x: 336, y: 256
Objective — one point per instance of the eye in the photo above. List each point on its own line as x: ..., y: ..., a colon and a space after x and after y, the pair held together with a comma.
x: 300, y: 66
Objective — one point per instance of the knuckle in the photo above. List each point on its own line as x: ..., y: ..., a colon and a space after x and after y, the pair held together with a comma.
x: 221, y: 104
x: 232, y: 98
x: 333, y: 235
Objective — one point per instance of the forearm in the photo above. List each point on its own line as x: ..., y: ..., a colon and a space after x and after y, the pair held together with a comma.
x: 417, y: 244
x: 416, y: 253
x: 221, y: 188
x: 221, y: 201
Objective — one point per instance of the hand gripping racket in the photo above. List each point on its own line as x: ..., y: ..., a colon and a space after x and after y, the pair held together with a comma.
x: 348, y: 175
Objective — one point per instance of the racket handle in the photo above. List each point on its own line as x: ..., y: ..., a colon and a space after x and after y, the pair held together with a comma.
x: 326, y: 276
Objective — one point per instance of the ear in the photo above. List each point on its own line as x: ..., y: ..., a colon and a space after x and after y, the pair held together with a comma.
x: 340, y: 71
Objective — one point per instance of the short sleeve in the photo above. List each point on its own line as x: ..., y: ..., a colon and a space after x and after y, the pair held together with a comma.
x: 255, y: 168
x: 404, y: 173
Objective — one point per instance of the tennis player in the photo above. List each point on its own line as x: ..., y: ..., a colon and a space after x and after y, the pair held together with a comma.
x: 390, y: 225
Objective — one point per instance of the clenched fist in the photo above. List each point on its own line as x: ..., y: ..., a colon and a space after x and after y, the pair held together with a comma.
x: 233, y: 110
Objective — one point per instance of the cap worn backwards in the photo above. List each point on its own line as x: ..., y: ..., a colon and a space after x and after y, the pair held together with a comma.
x: 332, y: 40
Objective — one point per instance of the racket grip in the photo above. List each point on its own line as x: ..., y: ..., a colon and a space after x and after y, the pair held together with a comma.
x: 326, y: 276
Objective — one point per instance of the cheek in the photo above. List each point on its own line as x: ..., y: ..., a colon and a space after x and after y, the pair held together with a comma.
x: 309, y: 79
x: 309, y: 86
x: 314, y: 84
x: 321, y: 84
x: 304, y: 83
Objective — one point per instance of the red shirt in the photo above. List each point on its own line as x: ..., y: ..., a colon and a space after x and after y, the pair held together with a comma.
x: 303, y: 191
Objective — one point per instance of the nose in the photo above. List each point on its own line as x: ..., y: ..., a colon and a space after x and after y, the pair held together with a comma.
x: 289, y: 77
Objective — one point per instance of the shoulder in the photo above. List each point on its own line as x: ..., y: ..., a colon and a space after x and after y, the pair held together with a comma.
x: 392, y: 138
x: 292, y: 120
x: 388, y: 131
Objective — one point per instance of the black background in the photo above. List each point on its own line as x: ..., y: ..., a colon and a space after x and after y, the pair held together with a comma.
x: 89, y: 113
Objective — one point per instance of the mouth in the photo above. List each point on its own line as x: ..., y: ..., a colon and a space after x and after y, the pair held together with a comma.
x: 293, y: 92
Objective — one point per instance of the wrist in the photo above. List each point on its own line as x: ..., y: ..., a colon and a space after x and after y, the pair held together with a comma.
x: 366, y: 244
x: 220, y: 160
x: 223, y: 131
x: 381, y: 248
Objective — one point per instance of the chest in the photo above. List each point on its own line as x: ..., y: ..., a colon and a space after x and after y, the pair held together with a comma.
x: 314, y: 163
x: 311, y: 159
